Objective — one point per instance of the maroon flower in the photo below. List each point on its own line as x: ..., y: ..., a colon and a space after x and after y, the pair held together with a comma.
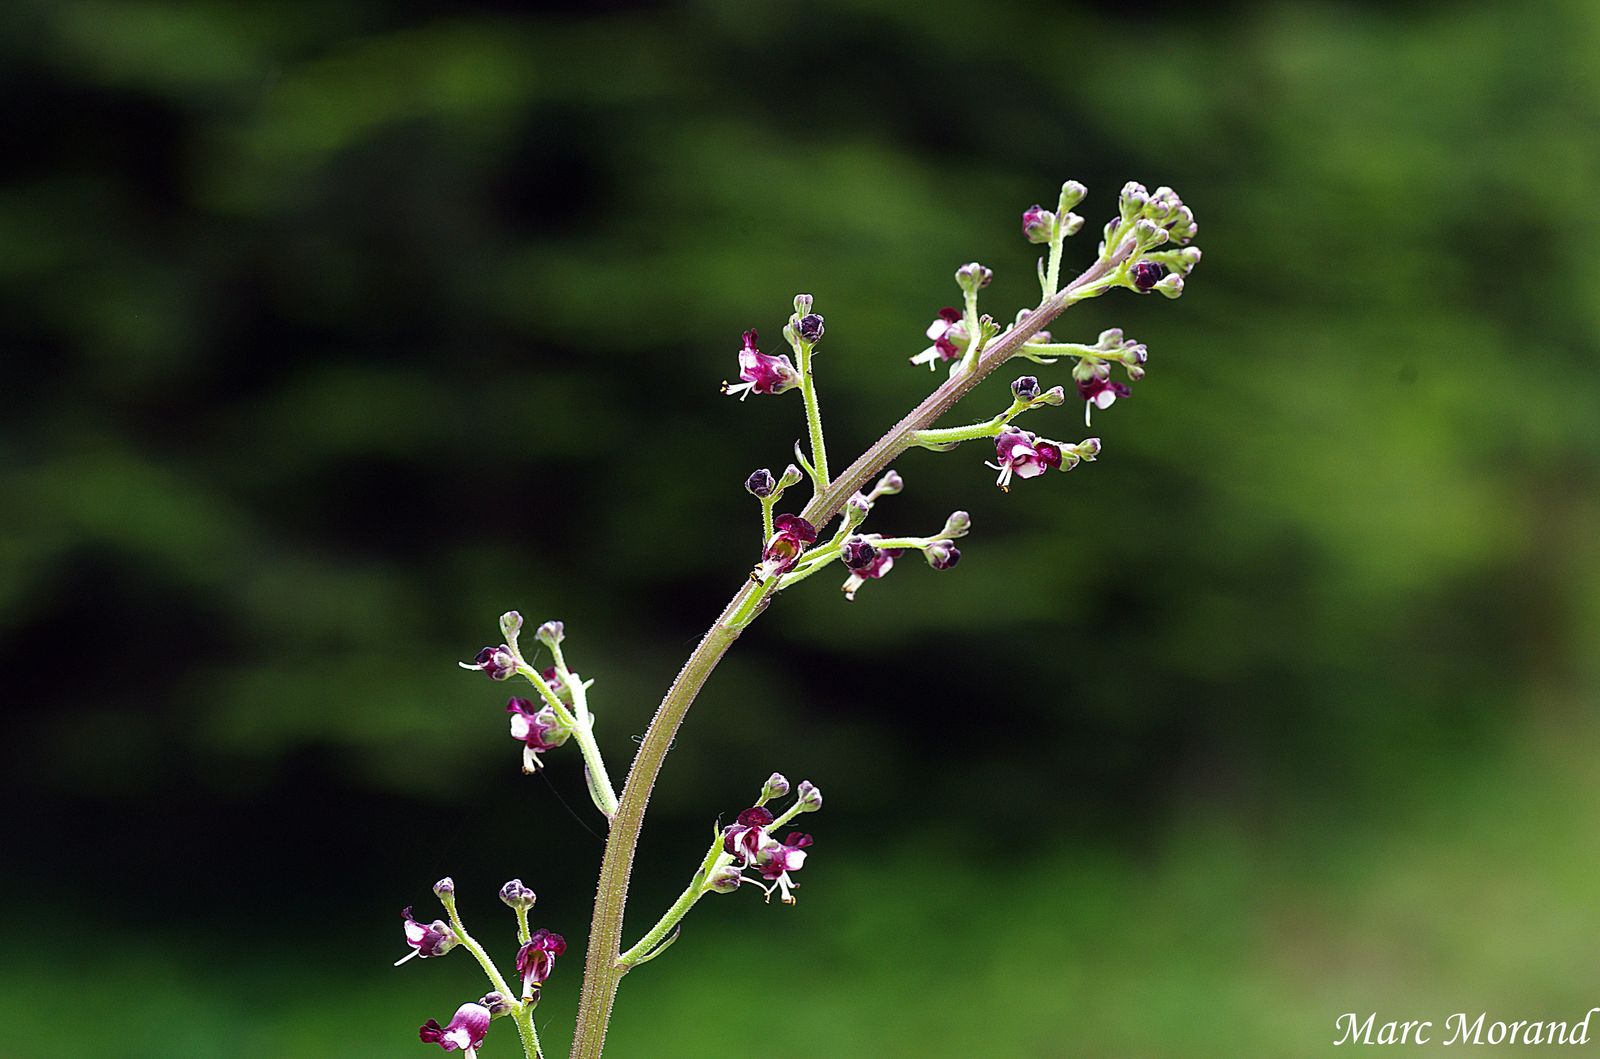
x: 1100, y: 391
x: 743, y: 840
x: 1036, y: 223
x: 942, y: 555
x: 778, y: 859
x: 538, y: 730
x: 1023, y: 454
x: 762, y: 373
x: 949, y: 336
x: 465, y: 1033
x: 496, y: 663
x: 791, y: 536
x: 1146, y: 274
x: 881, y: 563
x: 537, y: 959
x: 427, y: 939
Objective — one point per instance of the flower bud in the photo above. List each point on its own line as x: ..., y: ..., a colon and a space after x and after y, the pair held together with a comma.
x: 496, y: 1004
x: 551, y: 633
x: 1055, y: 397
x: 1088, y: 448
x: 858, y: 554
x: 1170, y: 286
x: 777, y: 786
x: 942, y: 555
x: 1071, y: 224
x: 856, y: 509
x: 1146, y: 274
x: 760, y: 483
x: 1148, y: 234
x: 810, y: 328
x: 1037, y: 224
x: 808, y: 797
x: 516, y: 895
x: 1025, y: 388
x: 510, y: 625
x: 802, y: 304
x: 1072, y: 193
x: 791, y: 476
x: 973, y: 277
x: 890, y: 484
x: 445, y: 887
x: 725, y: 880
x: 957, y: 524
x: 496, y: 663
x: 1133, y: 199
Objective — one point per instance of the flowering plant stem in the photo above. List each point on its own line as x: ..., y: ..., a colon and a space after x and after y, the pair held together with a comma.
x: 522, y: 1013
x: 605, y: 964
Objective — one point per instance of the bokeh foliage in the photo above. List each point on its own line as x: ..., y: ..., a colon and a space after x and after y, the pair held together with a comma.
x: 333, y: 330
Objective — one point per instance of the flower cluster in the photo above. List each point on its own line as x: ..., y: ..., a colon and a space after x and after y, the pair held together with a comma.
x: 535, y: 962
x: 1024, y: 454
x: 749, y: 844
x: 1152, y: 219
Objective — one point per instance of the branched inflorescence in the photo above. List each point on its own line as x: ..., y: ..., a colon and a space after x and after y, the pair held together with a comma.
x: 1145, y: 249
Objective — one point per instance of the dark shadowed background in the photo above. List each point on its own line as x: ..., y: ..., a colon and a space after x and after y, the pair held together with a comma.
x: 331, y: 331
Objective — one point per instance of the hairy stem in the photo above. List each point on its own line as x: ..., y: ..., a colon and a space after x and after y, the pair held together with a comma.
x: 603, y: 968
x: 808, y: 390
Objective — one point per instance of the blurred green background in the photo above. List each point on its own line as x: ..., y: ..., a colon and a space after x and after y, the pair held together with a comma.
x: 333, y: 330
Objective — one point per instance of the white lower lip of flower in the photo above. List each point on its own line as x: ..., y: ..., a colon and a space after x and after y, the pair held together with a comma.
x: 519, y: 726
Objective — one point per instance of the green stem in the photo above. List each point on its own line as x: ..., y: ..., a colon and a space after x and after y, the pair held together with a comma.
x: 582, y: 725
x: 522, y: 1014
x: 819, y: 449
x: 603, y: 969
x: 1052, y: 278
x: 471, y: 945
x: 954, y: 435
x: 767, y: 503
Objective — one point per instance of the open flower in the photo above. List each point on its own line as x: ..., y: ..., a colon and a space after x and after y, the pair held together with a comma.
x: 427, y: 939
x: 743, y: 840
x: 791, y: 536
x: 467, y: 1029
x: 879, y: 563
x: 1023, y: 454
x: 761, y: 373
x: 778, y: 859
x: 949, y: 336
x: 538, y: 730
x: 1099, y: 391
x: 496, y: 663
x: 536, y: 960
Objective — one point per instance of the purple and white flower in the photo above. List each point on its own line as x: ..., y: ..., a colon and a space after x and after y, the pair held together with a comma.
x: 1023, y: 454
x: 791, y: 536
x: 950, y: 339
x: 743, y: 840
x: 537, y: 729
x: 761, y: 373
x: 778, y: 859
x: 877, y: 565
x: 427, y: 939
x: 466, y: 1031
x: 536, y: 960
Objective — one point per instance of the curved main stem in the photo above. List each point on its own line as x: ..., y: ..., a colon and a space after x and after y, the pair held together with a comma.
x: 603, y: 970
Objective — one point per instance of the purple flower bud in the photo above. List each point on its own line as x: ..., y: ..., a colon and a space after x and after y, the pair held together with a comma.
x: 725, y: 880
x: 858, y: 554
x: 777, y: 786
x: 551, y: 633
x: 802, y: 304
x: 792, y: 535
x: 497, y: 1003
x: 1088, y: 448
x: 445, y: 887
x: 791, y: 476
x: 890, y: 484
x: 1146, y: 274
x: 942, y: 555
x: 881, y: 562
x: 1055, y: 397
x: 1037, y: 223
x: 536, y: 960
x: 973, y: 277
x: 761, y: 483
x: 761, y: 373
x: 465, y: 1033
x: 426, y: 939
x: 510, y: 625
x: 808, y: 797
x: 516, y: 895
x: 810, y: 328
x: 1072, y: 193
x: 957, y: 524
x: 496, y: 663
x: 1025, y: 388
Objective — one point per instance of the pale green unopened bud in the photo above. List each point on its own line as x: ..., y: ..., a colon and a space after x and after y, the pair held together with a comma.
x: 551, y: 633
x: 1072, y: 193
